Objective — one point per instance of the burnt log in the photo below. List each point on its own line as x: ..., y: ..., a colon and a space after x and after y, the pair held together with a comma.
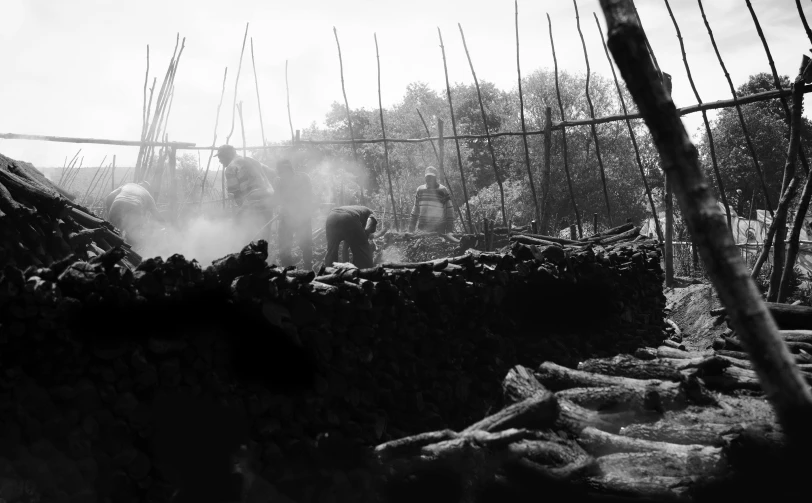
x: 683, y: 434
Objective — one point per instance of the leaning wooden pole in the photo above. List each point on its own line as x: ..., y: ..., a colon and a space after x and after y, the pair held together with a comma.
x: 776, y: 81
x: 287, y: 94
x: 521, y: 115
x: 471, y: 227
x: 631, y: 135
x: 747, y: 139
x: 803, y: 20
x: 794, y: 239
x: 214, y: 140
x: 487, y: 132
x: 445, y: 175
x: 592, y: 116
x: 242, y: 129
x: 144, y: 114
x: 349, y: 118
x: 708, y: 131
x: 236, y: 84
x: 564, y: 132
x: 781, y: 380
x: 92, y: 184
x: 383, y: 133
x: 778, y: 274
x: 256, y: 84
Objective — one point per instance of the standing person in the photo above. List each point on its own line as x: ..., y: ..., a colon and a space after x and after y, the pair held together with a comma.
x: 355, y: 225
x: 432, y: 211
x: 127, y: 208
x: 248, y: 186
x: 295, y: 196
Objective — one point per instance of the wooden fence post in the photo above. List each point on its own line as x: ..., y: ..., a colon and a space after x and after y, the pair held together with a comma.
x: 545, y: 184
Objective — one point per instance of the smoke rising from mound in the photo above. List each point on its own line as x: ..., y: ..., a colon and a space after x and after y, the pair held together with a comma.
x: 201, y: 239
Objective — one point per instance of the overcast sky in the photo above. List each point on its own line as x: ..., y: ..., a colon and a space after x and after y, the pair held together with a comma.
x: 77, y: 68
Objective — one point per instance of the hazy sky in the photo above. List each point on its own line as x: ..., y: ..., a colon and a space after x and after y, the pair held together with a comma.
x: 77, y: 68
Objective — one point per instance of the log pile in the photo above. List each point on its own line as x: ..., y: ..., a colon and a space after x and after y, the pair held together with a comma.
x: 794, y: 322
x: 648, y: 428
x: 88, y: 344
x: 40, y: 224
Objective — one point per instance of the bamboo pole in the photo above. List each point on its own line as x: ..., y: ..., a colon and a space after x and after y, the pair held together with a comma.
x: 711, y: 144
x: 445, y: 175
x: 113, y: 175
x: 780, y: 378
x: 556, y: 126
x: 70, y: 165
x: 739, y: 111
x: 145, y: 112
x: 456, y: 140
x: 159, y: 106
x: 564, y: 132
x: 214, y: 140
x: 256, y: 84
x: 487, y: 133
x: 631, y: 135
x: 774, y: 234
x: 75, y: 173
x: 777, y: 81
x: 521, y: 115
x: 142, y: 152
x: 383, y: 133
x: 806, y: 195
x: 287, y: 93
x: 803, y: 20
x: 592, y: 115
x: 93, y: 180
x: 547, y: 174
x: 349, y: 118
x: 780, y: 275
x: 236, y: 84
x: 242, y: 130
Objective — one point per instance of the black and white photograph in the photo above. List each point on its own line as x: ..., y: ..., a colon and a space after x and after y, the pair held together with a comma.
x: 449, y: 251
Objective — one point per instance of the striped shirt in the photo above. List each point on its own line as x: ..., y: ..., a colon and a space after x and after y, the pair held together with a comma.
x: 433, y: 210
x: 245, y: 180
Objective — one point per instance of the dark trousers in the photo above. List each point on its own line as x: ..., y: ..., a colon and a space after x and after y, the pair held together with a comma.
x: 302, y: 229
x: 252, y: 218
x: 345, y: 227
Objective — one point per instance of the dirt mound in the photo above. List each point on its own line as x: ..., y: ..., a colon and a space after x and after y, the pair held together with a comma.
x: 690, y: 306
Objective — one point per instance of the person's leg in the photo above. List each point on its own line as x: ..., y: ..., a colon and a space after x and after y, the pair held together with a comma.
x: 361, y: 251
x: 305, y: 239
x: 285, y: 241
x: 345, y: 253
x: 334, y: 237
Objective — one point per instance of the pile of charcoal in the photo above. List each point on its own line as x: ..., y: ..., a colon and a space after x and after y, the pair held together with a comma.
x: 88, y: 345
x: 40, y: 224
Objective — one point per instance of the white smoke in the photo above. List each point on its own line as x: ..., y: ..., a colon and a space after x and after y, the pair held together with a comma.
x: 201, y: 238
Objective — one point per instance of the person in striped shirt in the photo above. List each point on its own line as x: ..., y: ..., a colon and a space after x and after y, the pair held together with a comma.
x: 432, y: 211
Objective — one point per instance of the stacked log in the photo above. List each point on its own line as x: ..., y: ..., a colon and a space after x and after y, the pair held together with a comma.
x: 88, y: 344
x: 40, y: 224
x: 624, y: 427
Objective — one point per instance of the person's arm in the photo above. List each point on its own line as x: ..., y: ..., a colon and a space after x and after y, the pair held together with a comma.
x: 152, y: 208
x: 372, y: 225
x: 415, y: 211
x: 108, y: 201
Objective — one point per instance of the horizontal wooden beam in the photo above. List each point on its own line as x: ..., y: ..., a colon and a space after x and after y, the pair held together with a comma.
x: 97, y: 141
x: 751, y: 98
